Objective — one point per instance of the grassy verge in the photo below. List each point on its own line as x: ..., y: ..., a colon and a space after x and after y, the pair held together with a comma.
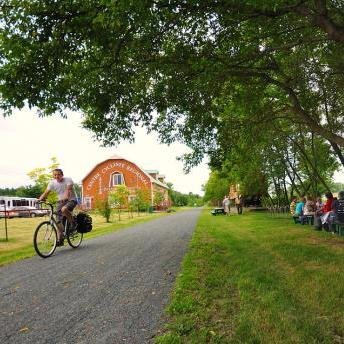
x: 21, y: 230
x: 258, y: 279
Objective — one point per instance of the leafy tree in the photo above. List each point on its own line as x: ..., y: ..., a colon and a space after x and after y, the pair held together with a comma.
x: 180, y: 199
x: 118, y: 198
x: 142, y: 199
x: 191, y: 61
x: 8, y: 191
x: 158, y: 198
x: 170, y: 191
x: 102, y: 206
x: 41, y: 177
x: 256, y: 85
x: 33, y: 191
x: 216, y: 187
x: 194, y: 200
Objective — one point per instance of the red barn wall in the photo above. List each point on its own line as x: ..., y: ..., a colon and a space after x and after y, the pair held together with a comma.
x: 97, y: 183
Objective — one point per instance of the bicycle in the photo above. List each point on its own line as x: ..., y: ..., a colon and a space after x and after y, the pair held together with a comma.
x: 45, y: 236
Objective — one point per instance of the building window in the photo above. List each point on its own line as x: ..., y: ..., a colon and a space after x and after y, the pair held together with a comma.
x: 88, y: 202
x: 116, y: 179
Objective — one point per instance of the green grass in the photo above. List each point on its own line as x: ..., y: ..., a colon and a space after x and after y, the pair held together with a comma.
x: 20, y: 233
x: 258, y: 279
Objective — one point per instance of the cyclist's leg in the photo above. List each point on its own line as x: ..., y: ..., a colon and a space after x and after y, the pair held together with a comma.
x: 60, y: 227
x: 67, y: 211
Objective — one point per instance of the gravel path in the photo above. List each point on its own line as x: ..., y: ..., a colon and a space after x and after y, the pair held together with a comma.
x: 112, y: 289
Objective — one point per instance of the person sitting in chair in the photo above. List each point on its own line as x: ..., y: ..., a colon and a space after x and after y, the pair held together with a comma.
x: 299, y: 206
x: 338, y: 209
x: 322, y: 217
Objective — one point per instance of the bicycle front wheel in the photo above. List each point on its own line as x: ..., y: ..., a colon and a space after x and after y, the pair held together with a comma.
x: 45, y: 239
x: 74, y: 238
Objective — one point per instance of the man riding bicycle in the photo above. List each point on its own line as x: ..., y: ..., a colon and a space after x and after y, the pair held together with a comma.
x: 63, y: 186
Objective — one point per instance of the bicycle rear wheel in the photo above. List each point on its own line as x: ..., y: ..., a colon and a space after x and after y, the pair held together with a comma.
x: 74, y: 238
x: 45, y: 239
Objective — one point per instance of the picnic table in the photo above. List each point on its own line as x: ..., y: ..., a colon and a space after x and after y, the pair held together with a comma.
x: 218, y: 211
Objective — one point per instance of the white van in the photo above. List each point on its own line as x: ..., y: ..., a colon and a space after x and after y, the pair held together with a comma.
x: 19, y: 207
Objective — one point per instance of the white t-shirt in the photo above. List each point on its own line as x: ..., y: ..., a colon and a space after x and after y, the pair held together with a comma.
x: 60, y: 188
x: 226, y: 202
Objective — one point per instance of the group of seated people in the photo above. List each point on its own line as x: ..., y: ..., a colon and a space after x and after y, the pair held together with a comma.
x: 324, y: 215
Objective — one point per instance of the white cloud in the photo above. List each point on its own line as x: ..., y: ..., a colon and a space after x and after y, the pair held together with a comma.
x: 28, y: 142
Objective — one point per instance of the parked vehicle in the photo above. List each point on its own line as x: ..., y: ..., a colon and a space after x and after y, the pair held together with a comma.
x: 12, y: 201
x: 29, y: 211
x: 11, y: 206
x: 10, y: 214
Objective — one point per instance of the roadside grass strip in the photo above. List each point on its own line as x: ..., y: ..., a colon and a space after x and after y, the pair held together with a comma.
x: 258, y: 279
x: 21, y: 230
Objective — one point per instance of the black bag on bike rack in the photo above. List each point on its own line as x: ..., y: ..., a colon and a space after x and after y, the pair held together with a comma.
x: 84, y: 223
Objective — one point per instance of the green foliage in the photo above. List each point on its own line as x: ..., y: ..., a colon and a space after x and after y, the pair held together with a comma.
x: 279, y: 159
x: 8, y: 192
x: 118, y: 198
x: 41, y: 177
x: 255, y: 85
x: 179, y: 199
x: 216, y: 187
x: 33, y: 191
x: 194, y: 63
x: 158, y: 198
x: 102, y: 206
x: 194, y: 200
x: 142, y: 199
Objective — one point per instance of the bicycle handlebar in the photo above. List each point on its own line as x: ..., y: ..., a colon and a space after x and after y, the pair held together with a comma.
x: 47, y: 203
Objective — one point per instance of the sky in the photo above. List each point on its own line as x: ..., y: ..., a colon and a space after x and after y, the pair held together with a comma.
x: 29, y: 142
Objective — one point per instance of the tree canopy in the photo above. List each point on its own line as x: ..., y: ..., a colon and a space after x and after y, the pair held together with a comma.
x: 201, y: 72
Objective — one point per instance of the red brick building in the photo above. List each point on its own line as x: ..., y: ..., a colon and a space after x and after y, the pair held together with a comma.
x: 118, y: 171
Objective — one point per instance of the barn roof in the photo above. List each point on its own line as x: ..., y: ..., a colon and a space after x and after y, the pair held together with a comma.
x: 117, y: 157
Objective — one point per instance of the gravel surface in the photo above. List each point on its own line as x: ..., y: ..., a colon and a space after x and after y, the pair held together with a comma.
x: 112, y: 289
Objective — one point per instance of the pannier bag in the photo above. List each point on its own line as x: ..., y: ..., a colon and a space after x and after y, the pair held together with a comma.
x: 84, y: 223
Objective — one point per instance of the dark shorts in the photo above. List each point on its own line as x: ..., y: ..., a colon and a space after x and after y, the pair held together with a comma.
x: 70, y: 206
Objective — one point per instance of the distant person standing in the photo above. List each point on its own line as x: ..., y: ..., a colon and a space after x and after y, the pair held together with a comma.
x: 225, y: 205
x: 238, y: 203
x: 63, y: 186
